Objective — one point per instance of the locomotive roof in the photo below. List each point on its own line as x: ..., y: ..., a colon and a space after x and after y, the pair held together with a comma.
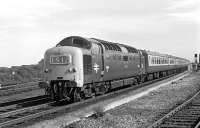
x: 83, y: 42
x: 108, y: 45
x: 116, y: 46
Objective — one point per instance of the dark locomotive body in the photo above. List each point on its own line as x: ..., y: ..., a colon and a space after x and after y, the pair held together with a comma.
x: 81, y: 67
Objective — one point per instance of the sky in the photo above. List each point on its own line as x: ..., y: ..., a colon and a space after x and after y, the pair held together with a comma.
x: 29, y: 27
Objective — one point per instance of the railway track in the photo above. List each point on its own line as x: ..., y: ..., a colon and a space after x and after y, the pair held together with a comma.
x: 9, y: 107
x: 186, y: 115
x: 11, y: 110
x: 6, y: 87
x: 18, y: 88
x: 21, y: 101
x: 28, y: 113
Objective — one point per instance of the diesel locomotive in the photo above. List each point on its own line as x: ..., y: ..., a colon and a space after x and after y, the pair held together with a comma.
x: 78, y: 67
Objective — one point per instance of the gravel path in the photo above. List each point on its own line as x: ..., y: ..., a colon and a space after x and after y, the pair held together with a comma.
x: 143, y: 111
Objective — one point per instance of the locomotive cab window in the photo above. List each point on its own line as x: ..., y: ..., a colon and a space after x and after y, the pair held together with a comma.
x: 81, y: 43
x: 76, y: 42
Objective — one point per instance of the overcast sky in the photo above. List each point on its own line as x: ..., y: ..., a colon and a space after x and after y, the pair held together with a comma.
x: 29, y: 27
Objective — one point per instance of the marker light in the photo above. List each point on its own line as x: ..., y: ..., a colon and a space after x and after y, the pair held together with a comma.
x: 46, y: 70
x: 71, y: 70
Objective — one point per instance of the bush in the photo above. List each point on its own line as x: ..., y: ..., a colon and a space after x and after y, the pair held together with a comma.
x: 24, y: 73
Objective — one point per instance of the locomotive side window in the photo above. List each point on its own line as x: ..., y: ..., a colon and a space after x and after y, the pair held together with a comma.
x: 87, y: 64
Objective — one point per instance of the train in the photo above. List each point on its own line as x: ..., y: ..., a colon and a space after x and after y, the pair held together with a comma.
x: 78, y: 67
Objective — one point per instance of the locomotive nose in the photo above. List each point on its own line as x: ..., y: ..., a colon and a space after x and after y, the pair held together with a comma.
x: 64, y: 64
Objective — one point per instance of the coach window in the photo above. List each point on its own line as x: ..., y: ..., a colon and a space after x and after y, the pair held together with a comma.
x: 130, y: 58
x: 125, y: 58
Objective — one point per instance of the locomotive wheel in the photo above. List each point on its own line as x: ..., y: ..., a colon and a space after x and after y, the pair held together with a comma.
x: 47, y: 91
x: 56, y: 92
x: 77, y: 95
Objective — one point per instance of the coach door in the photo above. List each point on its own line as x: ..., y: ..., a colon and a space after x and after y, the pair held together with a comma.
x: 102, y: 60
x: 142, y: 62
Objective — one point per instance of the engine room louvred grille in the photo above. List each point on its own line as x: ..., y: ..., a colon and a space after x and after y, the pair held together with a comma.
x: 87, y: 64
